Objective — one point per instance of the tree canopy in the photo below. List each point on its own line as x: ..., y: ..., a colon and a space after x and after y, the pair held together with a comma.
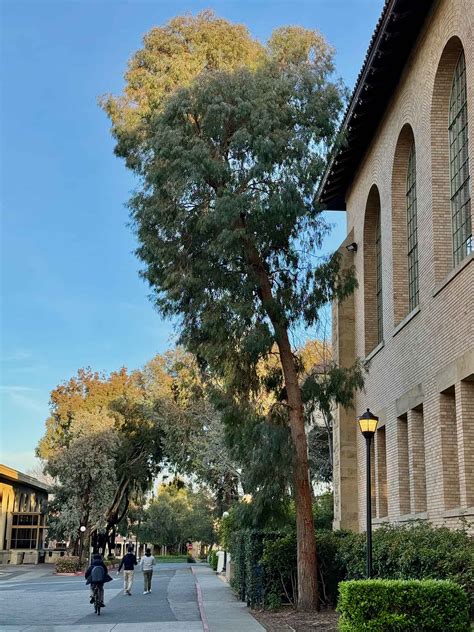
x: 230, y: 147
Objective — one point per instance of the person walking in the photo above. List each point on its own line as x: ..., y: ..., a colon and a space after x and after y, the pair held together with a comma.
x: 129, y: 561
x: 146, y: 564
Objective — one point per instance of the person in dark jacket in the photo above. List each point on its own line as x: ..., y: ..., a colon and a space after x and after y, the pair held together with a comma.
x: 97, y: 575
x: 128, y: 562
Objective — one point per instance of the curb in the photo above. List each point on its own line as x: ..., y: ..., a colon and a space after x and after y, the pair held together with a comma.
x: 202, y: 613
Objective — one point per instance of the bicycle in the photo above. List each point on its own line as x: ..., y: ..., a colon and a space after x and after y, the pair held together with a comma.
x: 97, y: 599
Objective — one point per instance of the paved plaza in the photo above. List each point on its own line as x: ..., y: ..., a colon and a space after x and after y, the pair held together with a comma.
x: 183, y: 599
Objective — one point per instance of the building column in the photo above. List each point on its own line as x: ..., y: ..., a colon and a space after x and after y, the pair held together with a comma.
x: 381, y: 472
x: 449, y: 449
x: 3, y: 515
x: 345, y: 427
x: 416, y: 459
x: 464, y: 392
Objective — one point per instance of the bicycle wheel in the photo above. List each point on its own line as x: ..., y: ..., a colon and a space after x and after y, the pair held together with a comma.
x: 97, y: 601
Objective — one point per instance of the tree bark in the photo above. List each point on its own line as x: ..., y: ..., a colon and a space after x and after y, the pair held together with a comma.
x: 308, y: 598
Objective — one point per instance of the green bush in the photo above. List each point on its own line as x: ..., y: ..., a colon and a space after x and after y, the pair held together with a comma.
x: 237, y: 552
x: 417, y: 551
x: 265, y: 563
x: 213, y: 560
x: 67, y: 565
x: 279, y: 567
x: 279, y: 564
x: 381, y: 605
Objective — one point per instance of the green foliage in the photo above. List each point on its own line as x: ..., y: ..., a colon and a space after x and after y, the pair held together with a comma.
x: 419, y: 551
x: 85, y: 484
x: 68, y: 565
x: 279, y: 565
x: 213, y: 559
x: 237, y: 551
x: 172, y: 56
x: 323, y: 511
x: 416, y: 551
x: 246, y: 549
x: 381, y: 605
x: 178, y: 515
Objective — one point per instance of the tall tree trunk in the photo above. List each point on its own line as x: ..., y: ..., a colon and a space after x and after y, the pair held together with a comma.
x: 308, y: 598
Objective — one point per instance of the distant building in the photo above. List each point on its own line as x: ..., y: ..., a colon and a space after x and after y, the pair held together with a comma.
x: 23, y: 506
x: 404, y: 178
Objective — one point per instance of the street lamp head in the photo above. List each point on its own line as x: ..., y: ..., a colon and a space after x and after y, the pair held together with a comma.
x: 82, y: 528
x: 368, y: 424
x: 226, y: 514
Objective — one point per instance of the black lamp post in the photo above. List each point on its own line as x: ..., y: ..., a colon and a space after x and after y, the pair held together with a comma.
x: 368, y: 426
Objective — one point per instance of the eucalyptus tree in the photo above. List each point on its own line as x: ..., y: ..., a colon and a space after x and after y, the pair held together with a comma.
x: 229, y: 229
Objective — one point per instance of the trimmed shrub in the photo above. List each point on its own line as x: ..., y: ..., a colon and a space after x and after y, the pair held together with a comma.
x: 416, y: 551
x: 67, y: 565
x: 381, y: 605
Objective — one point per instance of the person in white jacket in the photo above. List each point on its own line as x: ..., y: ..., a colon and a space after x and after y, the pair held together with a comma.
x: 146, y: 564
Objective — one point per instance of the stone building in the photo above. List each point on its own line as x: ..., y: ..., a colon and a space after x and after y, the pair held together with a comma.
x: 23, y: 505
x: 403, y: 178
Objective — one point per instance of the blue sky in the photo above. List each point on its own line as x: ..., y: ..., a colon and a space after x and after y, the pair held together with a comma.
x: 70, y: 291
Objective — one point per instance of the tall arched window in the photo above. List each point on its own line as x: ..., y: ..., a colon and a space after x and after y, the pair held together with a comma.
x: 372, y: 250
x: 459, y: 162
x: 412, y: 231
x: 404, y: 226
x: 378, y: 264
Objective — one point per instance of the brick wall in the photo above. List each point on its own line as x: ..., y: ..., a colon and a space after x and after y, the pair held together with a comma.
x: 422, y: 375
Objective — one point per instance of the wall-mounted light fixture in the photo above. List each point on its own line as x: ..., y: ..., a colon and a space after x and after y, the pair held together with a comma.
x: 352, y: 247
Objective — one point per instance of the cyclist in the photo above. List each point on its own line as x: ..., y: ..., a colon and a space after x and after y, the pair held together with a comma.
x: 97, y: 575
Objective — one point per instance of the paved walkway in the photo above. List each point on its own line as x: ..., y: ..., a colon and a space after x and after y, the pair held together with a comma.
x: 185, y: 598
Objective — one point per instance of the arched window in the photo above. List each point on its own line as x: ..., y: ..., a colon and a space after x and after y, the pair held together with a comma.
x: 372, y: 251
x: 459, y: 162
x: 451, y: 199
x: 404, y: 226
x: 412, y: 232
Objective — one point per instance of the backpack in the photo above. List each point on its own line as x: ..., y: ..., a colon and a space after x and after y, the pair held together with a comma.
x: 97, y: 575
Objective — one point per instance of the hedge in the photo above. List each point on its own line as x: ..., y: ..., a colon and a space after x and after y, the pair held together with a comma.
x: 416, y: 551
x: 383, y: 605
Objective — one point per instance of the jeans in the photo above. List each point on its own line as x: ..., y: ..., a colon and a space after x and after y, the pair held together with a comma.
x: 127, y: 580
x: 147, y: 575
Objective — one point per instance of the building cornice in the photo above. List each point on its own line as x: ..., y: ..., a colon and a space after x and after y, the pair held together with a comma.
x: 392, y: 42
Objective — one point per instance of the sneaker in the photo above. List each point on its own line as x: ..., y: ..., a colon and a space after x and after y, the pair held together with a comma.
x: 149, y: 591
x: 145, y: 592
x: 129, y: 593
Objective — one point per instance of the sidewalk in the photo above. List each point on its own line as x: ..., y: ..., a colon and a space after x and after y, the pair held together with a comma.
x: 185, y: 598
x: 221, y: 611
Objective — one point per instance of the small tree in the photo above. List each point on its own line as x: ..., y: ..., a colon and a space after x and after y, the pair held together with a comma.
x: 229, y: 228
x: 85, y: 485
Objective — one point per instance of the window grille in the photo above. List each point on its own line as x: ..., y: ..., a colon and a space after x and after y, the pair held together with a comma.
x: 459, y: 165
x: 412, y: 232
x: 378, y: 263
